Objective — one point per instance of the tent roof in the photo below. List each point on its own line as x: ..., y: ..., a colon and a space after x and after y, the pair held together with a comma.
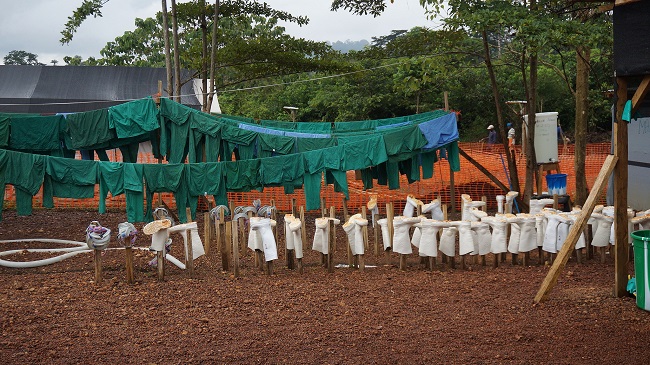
x: 63, y: 89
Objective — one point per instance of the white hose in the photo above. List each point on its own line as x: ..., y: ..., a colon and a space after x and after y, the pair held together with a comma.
x: 82, y: 247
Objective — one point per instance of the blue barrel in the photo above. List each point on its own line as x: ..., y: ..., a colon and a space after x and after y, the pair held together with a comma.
x: 556, y: 184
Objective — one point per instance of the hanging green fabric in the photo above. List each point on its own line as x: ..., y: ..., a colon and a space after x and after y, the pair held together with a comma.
x: 312, y: 183
x: 26, y: 181
x: 286, y: 170
x: 453, y: 156
x: 278, y: 124
x: 5, y: 123
x: 111, y: 179
x: 318, y: 127
x: 366, y: 178
x: 271, y: 145
x: 207, y: 178
x: 244, y: 152
x: 166, y: 178
x: 427, y: 160
x: 68, y: 178
x: 130, y: 152
x: 340, y: 181
x: 134, y: 190
x: 89, y: 130
x: 242, y: 175
x: 364, y: 153
x: 365, y: 125
x: 310, y: 144
x: 404, y: 141
x: 210, y: 130
x: 238, y: 136
x: 392, y: 173
x: 178, y: 148
x: 36, y: 133
x: 134, y: 118
x: 175, y: 112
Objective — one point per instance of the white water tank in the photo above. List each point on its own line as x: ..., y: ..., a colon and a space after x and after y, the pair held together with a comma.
x: 545, y: 137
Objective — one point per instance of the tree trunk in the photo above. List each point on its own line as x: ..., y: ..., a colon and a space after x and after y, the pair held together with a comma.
x: 177, y: 58
x: 512, y: 166
x: 213, y: 54
x: 204, y: 56
x: 582, y: 113
x: 531, y: 160
x: 168, y: 59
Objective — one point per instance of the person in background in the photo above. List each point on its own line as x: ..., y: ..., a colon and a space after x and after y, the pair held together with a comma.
x: 492, y: 135
x: 511, y: 135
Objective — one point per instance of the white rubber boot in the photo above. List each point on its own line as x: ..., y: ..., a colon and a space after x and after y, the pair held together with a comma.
x: 527, y: 232
x: 448, y: 241
x: 385, y: 234
x: 642, y: 222
x: 468, y: 204
x: 536, y: 205
x: 373, y: 208
x: 417, y: 233
x: 603, y: 227
x: 582, y: 242
x: 348, y: 228
x: 500, y: 201
x: 563, y: 230
x: 254, y: 240
x: 540, y: 226
x: 477, y: 214
x: 550, y: 232
x: 263, y: 226
x: 411, y: 204
x: 401, y: 241
x: 296, y: 231
x: 321, y: 240
x: 435, y: 207
x: 510, y: 198
x: 515, y: 230
x: 484, y: 237
x: 359, y: 245
x: 288, y: 236
x: 465, y: 237
x: 499, y: 238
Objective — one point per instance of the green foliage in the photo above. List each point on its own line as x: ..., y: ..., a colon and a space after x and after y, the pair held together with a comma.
x: 16, y: 57
x: 86, y: 9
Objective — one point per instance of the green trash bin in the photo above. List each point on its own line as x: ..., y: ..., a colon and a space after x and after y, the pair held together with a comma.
x: 641, y: 270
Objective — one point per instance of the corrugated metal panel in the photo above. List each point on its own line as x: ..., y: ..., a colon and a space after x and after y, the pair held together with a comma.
x: 59, y: 89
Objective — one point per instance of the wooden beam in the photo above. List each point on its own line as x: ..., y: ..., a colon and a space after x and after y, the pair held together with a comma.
x: 577, y: 228
x: 620, y: 192
x: 485, y: 171
x: 640, y: 94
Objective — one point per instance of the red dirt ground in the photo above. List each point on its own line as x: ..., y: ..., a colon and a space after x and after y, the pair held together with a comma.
x: 57, y: 315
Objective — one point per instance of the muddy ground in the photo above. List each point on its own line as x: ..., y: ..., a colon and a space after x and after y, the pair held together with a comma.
x: 57, y: 314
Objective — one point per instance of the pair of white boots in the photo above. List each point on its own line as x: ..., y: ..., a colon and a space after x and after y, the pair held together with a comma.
x: 471, y: 209
x: 293, y: 234
x: 260, y: 237
x: 321, y: 240
x: 354, y: 230
x: 506, y: 201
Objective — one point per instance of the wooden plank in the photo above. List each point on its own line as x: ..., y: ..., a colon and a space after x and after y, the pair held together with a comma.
x: 389, y: 219
x: 640, y: 94
x: 364, y: 229
x: 345, y: 210
x: 160, y: 261
x: 620, y: 193
x: 485, y: 171
x: 571, y: 240
x: 303, y: 230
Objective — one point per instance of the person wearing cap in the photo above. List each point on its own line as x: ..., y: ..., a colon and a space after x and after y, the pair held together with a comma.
x: 492, y: 135
x: 511, y: 135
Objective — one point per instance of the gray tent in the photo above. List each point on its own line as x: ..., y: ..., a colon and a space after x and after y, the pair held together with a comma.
x: 66, y: 89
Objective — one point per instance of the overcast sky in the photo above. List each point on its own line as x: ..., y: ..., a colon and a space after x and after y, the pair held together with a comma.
x: 35, y: 25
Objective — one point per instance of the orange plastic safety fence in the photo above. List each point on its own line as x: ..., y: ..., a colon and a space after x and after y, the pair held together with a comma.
x: 468, y: 181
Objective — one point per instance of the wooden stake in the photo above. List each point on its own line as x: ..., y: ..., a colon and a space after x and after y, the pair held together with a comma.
x: 207, y: 233
x: 332, y: 241
x: 227, y: 242
x: 98, y: 267
x: 189, y: 254
x: 345, y: 210
x: 621, y: 234
x: 323, y: 207
x: 293, y: 207
x: 235, y: 249
x: 160, y: 261
x: 364, y: 229
x: 128, y: 251
x: 389, y: 219
x: 303, y: 230
x: 571, y: 240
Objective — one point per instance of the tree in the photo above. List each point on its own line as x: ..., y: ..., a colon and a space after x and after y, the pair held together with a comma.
x: 21, y: 58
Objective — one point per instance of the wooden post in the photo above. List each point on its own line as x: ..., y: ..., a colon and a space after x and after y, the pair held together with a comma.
x: 332, y: 241
x: 452, y: 190
x: 445, y: 216
x: 207, y: 233
x: 189, y: 254
x: 160, y: 261
x: 303, y: 230
x: 129, y: 264
x: 293, y: 207
x: 570, y: 242
x: 364, y: 229
x: 275, y: 218
x: 389, y: 219
x: 323, y: 207
x: 235, y: 248
x: 621, y: 235
x: 223, y: 241
x: 98, y: 266
x: 345, y: 210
